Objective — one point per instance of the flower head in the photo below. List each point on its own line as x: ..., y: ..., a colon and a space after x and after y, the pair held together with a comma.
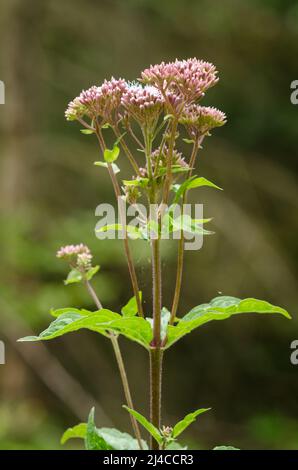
x: 187, y: 80
x: 72, y: 250
x: 78, y: 256
x: 199, y: 120
x: 98, y: 101
x: 143, y: 103
x: 75, y: 110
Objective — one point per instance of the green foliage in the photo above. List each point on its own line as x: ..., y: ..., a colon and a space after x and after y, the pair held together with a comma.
x: 146, y: 424
x: 219, y: 308
x: 91, y: 272
x: 79, y: 431
x: 102, y: 438
x: 87, y: 131
x: 73, y: 276
x: 185, y: 422
x: 131, y: 308
x: 131, y: 230
x: 190, y: 183
x: 115, y: 167
x: 101, y: 321
x: 177, y: 430
x: 225, y: 448
x: 93, y: 440
x: 111, y: 155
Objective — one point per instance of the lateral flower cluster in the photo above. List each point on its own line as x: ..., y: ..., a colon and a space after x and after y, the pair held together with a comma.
x: 78, y: 256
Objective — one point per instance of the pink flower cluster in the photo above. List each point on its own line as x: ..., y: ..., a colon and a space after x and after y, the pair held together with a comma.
x: 79, y: 254
x: 168, y: 86
x: 199, y: 120
x: 188, y: 79
x: 72, y: 250
x: 100, y: 101
x: 143, y: 103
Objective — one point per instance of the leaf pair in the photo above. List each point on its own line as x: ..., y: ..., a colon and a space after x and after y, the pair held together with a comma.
x: 176, y: 431
x: 140, y: 330
x: 77, y: 276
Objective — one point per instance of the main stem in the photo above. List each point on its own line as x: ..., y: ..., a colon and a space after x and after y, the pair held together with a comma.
x: 156, y: 355
x: 156, y: 351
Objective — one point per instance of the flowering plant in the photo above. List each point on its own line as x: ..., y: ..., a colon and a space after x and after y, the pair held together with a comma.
x: 153, y: 115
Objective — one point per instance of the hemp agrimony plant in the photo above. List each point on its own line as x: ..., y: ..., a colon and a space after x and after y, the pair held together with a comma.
x: 149, y: 119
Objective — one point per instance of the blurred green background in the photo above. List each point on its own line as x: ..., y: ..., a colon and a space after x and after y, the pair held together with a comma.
x: 50, y: 188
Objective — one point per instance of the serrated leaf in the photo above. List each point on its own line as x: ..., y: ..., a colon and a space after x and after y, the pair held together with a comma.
x: 91, y: 272
x: 101, y: 321
x: 146, y: 424
x: 225, y: 448
x: 219, y: 308
x: 111, y: 155
x: 115, y: 167
x: 131, y: 308
x: 185, y: 422
x: 73, y: 276
x: 78, y: 431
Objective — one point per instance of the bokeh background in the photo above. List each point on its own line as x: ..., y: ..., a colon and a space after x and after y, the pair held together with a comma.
x: 50, y: 188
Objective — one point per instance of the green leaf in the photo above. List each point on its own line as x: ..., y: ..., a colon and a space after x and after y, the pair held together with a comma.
x: 185, y: 422
x: 219, y: 308
x: 69, y: 321
x: 146, y: 424
x: 175, y: 169
x: 102, y: 438
x: 111, y: 155
x: 61, y: 311
x: 175, y: 446
x: 73, y: 276
x: 101, y: 321
x: 187, y: 224
x: 91, y: 272
x: 93, y: 441
x: 225, y: 448
x: 141, y: 182
x: 78, y: 431
x: 133, y: 231
x: 188, y: 141
x: 131, y: 308
x: 116, y: 169
x: 87, y: 131
x: 120, y: 440
x: 190, y: 183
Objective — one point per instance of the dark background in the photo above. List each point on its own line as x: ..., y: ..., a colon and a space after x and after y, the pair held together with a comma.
x: 50, y: 188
